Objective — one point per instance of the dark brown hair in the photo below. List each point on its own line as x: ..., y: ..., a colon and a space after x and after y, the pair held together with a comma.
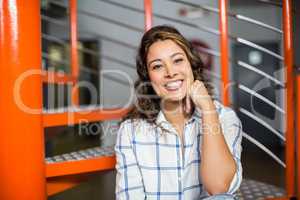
x: 147, y: 104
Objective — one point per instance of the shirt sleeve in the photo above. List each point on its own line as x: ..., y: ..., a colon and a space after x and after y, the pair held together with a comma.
x: 232, y: 130
x: 129, y: 183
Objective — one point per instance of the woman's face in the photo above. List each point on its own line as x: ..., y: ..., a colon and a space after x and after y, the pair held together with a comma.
x: 169, y: 69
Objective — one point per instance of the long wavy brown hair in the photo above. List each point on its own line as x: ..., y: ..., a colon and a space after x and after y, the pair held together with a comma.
x: 147, y: 103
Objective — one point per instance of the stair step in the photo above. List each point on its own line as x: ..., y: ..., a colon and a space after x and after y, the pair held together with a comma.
x: 82, y: 154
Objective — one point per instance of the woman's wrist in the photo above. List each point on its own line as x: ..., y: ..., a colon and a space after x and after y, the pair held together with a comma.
x: 208, y: 107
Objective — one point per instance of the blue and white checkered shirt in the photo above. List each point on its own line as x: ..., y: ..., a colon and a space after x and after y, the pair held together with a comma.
x: 155, y: 164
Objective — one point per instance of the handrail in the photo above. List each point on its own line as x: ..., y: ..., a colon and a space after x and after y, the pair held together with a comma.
x: 54, y: 21
x: 264, y: 99
x: 203, y: 28
x: 93, y: 15
x: 256, y: 70
x: 256, y: 46
x: 278, y: 4
x: 105, y: 56
x: 54, y: 39
x: 65, y: 62
x: 289, y: 95
x: 103, y: 37
x: 57, y: 77
x: 199, y: 27
x: 263, y: 123
x: 77, y: 115
x: 230, y: 14
x: 89, y: 51
x: 265, y: 149
x: 63, y: 78
x: 257, y: 22
x: 223, y: 26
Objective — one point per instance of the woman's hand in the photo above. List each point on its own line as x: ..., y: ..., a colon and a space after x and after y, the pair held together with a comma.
x: 198, y: 94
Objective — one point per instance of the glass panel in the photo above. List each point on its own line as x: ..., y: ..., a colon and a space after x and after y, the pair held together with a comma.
x: 66, y: 139
x: 89, y: 62
x: 55, y: 36
x: 56, y: 95
x: 109, y: 43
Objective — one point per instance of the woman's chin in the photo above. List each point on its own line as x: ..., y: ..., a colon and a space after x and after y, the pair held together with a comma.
x: 174, y: 98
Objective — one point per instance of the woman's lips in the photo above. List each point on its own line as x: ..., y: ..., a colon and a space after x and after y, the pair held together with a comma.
x: 173, y: 85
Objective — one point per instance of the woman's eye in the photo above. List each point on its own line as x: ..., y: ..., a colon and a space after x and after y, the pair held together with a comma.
x: 179, y: 60
x: 154, y: 67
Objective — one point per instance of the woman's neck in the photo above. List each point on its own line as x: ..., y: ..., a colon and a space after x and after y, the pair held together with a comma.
x: 174, y: 112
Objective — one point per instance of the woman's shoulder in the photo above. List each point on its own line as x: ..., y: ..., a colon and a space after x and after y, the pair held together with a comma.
x: 225, y: 111
x: 135, y: 124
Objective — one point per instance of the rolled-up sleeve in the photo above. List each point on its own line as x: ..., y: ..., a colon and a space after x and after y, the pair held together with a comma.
x: 129, y: 183
x: 232, y: 129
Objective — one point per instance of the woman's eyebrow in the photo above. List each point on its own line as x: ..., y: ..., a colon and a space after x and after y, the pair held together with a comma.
x: 158, y: 59
x: 153, y: 61
x: 177, y: 53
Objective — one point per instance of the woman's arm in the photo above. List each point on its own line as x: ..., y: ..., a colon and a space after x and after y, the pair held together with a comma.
x: 220, y: 167
x: 217, y: 167
x: 129, y: 184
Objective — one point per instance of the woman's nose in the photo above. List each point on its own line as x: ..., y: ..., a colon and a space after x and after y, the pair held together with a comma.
x: 170, y: 71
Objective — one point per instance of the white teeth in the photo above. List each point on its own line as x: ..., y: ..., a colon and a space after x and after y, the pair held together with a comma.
x: 173, y: 85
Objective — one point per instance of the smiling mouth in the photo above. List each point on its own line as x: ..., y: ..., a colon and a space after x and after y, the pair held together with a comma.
x: 174, y: 85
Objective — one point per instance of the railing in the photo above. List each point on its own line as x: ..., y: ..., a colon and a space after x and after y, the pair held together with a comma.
x: 20, y: 31
x: 298, y: 134
x: 287, y: 112
x: 83, y: 161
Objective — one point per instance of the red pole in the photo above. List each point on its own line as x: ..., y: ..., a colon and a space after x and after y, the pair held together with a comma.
x: 22, y: 165
x: 298, y: 136
x: 288, y: 62
x: 148, y: 14
x: 74, y: 50
x: 224, y: 51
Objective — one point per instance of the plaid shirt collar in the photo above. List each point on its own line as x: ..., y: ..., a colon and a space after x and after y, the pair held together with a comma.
x: 196, y: 116
x: 164, y: 123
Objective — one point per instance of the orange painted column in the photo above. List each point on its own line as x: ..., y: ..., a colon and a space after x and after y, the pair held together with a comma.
x: 22, y: 166
x: 148, y: 14
x: 290, y: 103
x: 74, y: 50
x: 223, y: 26
x: 298, y: 135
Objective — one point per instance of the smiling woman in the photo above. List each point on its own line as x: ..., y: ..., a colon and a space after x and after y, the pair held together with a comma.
x: 169, y: 70
x: 177, y: 142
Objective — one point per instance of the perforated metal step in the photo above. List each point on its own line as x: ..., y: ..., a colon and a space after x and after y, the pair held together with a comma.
x: 249, y: 190
x: 82, y: 154
x: 255, y: 190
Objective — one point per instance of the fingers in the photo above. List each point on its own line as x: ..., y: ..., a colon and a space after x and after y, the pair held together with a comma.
x: 196, y: 95
x: 188, y: 106
x: 193, y: 88
x: 187, y: 103
x: 200, y: 95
